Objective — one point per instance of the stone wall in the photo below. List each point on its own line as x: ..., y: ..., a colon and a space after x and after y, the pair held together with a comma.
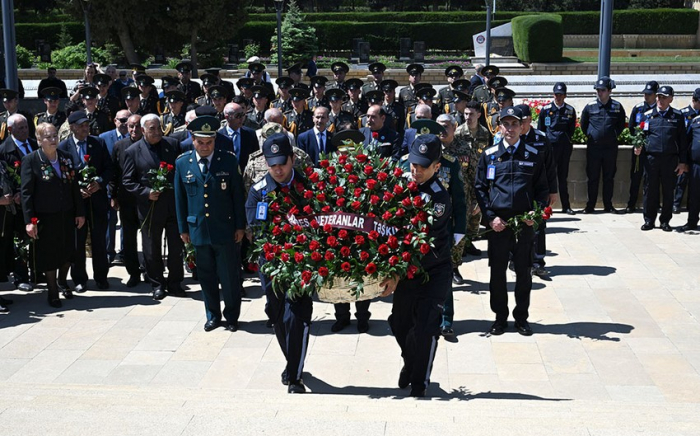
x: 633, y: 41
x: 578, y: 185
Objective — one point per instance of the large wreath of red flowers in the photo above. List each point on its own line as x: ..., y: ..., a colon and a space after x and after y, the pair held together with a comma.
x: 356, y: 218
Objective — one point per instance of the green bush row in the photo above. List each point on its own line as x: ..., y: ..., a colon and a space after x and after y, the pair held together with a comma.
x: 26, y: 34
x: 528, y: 42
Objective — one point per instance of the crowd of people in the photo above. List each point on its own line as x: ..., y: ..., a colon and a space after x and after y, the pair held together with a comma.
x: 177, y: 166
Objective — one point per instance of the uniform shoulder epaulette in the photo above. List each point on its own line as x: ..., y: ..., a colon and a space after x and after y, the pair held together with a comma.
x: 404, y: 157
x: 685, y: 109
x: 531, y: 149
x: 255, y: 154
x: 448, y: 157
x: 696, y: 119
x: 649, y: 112
x: 677, y: 112
x: 436, y: 187
x: 539, y: 132
x: 185, y: 154
x: 640, y: 105
x: 547, y: 106
x: 491, y: 150
x: 615, y: 103
x: 568, y: 106
x: 261, y: 184
x: 593, y: 103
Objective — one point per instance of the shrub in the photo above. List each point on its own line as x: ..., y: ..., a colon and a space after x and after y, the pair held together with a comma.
x: 528, y: 40
x: 25, y: 58
x: 75, y: 56
x: 251, y: 50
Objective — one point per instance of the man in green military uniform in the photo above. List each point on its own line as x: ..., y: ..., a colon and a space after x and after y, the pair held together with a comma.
x: 255, y: 117
x: 392, y: 107
x: 456, y: 108
x: 354, y: 104
x: 191, y: 89
x: 340, y: 70
x: 337, y: 115
x: 299, y: 119
x: 318, y: 87
x: 284, y: 100
x: 168, y: 83
x: 52, y: 115
x: 210, y: 209
x: 452, y: 74
x: 407, y: 96
x: 149, y: 99
x: 175, y: 117
x: 98, y: 120
x: 377, y: 70
x: 105, y: 102
x: 10, y: 101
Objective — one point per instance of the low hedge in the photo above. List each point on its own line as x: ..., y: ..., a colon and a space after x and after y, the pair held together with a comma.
x: 26, y: 34
x: 538, y: 38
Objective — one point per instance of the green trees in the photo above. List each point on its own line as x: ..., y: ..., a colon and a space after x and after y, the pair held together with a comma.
x: 299, y: 41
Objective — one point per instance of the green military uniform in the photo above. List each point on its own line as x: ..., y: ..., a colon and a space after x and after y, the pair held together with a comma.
x: 257, y: 166
x: 476, y: 145
x: 56, y: 119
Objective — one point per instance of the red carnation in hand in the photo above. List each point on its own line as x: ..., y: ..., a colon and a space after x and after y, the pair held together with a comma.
x: 412, y: 186
x: 394, y: 260
x: 343, y: 234
x: 548, y: 210
x: 371, y: 268
x: 368, y: 170
x: 162, y: 163
x: 383, y: 249
x: 393, y: 242
x: 270, y: 257
x: 375, y: 135
x: 374, y: 200
x: 316, y: 256
x: 371, y: 184
x: 329, y: 256
x: 324, y: 163
x: 345, y: 251
x: 364, y: 255
x: 170, y: 167
x: 323, y: 271
x: 313, y: 245
x: 361, y: 158
x: 285, y: 257
x: 298, y: 257
x: 398, y: 189
x: 35, y: 220
x: 17, y: 164
x: 345, y: 266
x: 382, y: 176
x: 306, y: 276
x: 359, y: 239
x: 425, y: 248
x: 411, y: 272
x: 332, y: 241
x: 406, y: 256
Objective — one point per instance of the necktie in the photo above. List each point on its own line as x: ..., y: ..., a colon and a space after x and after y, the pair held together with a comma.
x: 81, y: 151
x: 236, y: 148
x: 321, y: 144
x: 205, y: 167
x: 25, y: 146
x: 511, y: 150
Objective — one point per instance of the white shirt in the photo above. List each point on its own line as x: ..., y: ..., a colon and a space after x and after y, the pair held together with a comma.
x: 201, y: 165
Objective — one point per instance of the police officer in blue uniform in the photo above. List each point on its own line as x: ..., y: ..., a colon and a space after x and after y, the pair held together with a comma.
x: 602, y: 121
x: 558, y: 120
x: 693, y: 176
x: 291, y: 317
x: 416, y: 311
x: 210, y: 206
x: 666, y: 153
x: 689, y: 113
x: 636, y: 117
x: 510, y: 176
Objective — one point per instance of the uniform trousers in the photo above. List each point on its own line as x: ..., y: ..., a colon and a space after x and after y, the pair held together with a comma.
x: 681, y: 185
x: 111, y: 232
x: 96, y: 222
x: 214, y: 268
x: 416, y: 315
x: 501, y: 245
x: 362, y: 313
x: 598, y: 159
x: 129, y: 217
x: 659, y: 179
x: 694, y: 193
x: 151, y: 240
x: 539, y: 247
x: 292, y: 323
x: 562, y: 157
x: 635, y: 178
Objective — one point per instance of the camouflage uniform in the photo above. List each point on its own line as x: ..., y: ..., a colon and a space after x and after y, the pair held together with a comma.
x: 468, y: 149
x: 257, y: 166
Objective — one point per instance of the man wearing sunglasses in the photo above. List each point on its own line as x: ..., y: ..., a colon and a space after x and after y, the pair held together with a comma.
x: 242, y: 139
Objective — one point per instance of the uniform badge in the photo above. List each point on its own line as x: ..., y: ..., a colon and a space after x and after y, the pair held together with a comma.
x: 423, y: 149
x: 527, y: 154
x: 223, y: 185
x: 439, y: 209
x: 275, y: 148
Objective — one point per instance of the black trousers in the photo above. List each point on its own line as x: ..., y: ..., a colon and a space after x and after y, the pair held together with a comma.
x: 96, y: 222
x: 562, y: 157
x: 416, y: 316
x: 659, y: 180
x: 152, y: 240
x: 597, y: 160
x: 292, y: 323
x: 539, y: 247
x: 681, y: 185
x: 342, y: 311
x: 694, y: 193
x: 12, y: 225
x: 501, y: 245
x: 130, y: 226
x: 635, y: 178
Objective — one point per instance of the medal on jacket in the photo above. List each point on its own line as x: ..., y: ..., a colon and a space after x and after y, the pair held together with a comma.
x: 261, y: 209
x: 491, y: 170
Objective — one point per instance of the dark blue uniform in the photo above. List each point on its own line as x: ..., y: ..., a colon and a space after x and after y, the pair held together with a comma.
x: 666, y: 146
x: 416, y: 312
x: 291, y: 318
x: 519, y: 180
x: 559, y: 124
x: 689, y: 113
x: 636, y: 117
x: 694, y: 173
x: 602, y: 123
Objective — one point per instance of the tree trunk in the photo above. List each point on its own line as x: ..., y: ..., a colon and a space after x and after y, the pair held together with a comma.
x: 126, y: 42
x: 193, y: 50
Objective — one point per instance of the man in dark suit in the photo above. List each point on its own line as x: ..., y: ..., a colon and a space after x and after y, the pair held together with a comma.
x: 317, y: 140
x: 13, y: 149
x: 125, y: 202
x: 422, y: 112
x: 86, y: 150
x: 211, y: 215
x: 379, y: 136
x: 242, y: 140
x: 156, y: 208
x: 52, y: 81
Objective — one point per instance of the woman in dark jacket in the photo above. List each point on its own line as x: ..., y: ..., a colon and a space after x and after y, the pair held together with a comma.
x: 52, y: 208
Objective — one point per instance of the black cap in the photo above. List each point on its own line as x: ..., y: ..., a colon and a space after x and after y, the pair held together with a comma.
x: 344, y: 137
x: 353, y: 84
x: 205, y: 110
x: 414, y: 69
x: 101, y: 79
x: 461, y: 85
x: 376, y: 67
x: 167, y: 81
x: 334, y: 94
x: 256, y: 67
x: 218, y: 91
x: 208, y: 79
x: 144, y: 79
x: 296, y: 68
x: 8, y: 94
x: 490, y: 69
x: 497, y: 82
x: 138, y: 68
x: 388, y: 85
x: 375, y: 97
x: 454, y: 71
x: 696, y: 94
x: 277, y: 149
x: 284, y: 82
x: 426, y: 93
x: 303, y: 86
x: 559, y: 88
x: 510, y: 112
x: 213, y: 70
x: 245, y: 83
x: 425, y: 126
x: 503, y: 94
x: 184, y: 67
x: 77, y: 117
x: 651, y: 87
x: 339, y: 66
x: 176, y: 95
x: 318, y: 81
x: 260, y: 91
x: 665, y: 90
x: 299, y: 94
x: 604, y: 82
x: 204, y: 126
x: 524, y: 110
x: 51, y: 93
x: 460, y: 96
x: 88, y: 93
x: 425, y: 150
x: 130, y: 92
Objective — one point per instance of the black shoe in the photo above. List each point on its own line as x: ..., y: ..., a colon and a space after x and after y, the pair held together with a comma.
x: 339, y: 325
x: 447, y: 332
x: 296, y: 387
x: 25, y: 287
x: 177, y: 291
x: 676, y: 209
x: 285, y: 378
x: 79, y: 289
x: 457, y: 278
x: 569, y: 211
x: 211, y: 325
x: 158, y: 293
x: 404, y: 377
x: 66, y: 291
x: 269, y: 324
x: 539, y: 271
x: 133, y: 281
x: 647, y: 226
x: 54, y: 301
x: 362, y: 326
x: 666, y: 227
x: 523, y: 327
x: 232, y: 326
x: 102, y: 284
x: 630, y: 209
x: 587, y: 210
x: 3, y: 309
x: 418, y: 392
x: 615, y: 211
x: 687, y: 227
x: 498, y: 328
x: 5, y: 301
x: 472, y: 250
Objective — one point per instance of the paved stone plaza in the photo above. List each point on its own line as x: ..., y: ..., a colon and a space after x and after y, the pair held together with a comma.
x: 616, y: 351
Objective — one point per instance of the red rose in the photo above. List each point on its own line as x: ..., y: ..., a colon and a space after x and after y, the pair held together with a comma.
x: 415, y: 220
x: 371, y: 215
x: 277, y: 249
x: 345, y: 251
x: 287, y: 199
x: 373, y: 235
x: 330, y: 170
x: 298, y: 257
x: 313, y: 245
x: 324, y: 163
x: 326, y: 209
x: 270, y: 257
x: 546, y: 216
x: 424, y: 229
x: 253, y: 267
x: 17, y: 164
x: 412, y: 186
x: 371, y: 268
x: 375, y: 135
x: 364, y: 255
x: 342, y: 158
x: 357, y: 192
x: 393, y: 242
x: 327, y: 228
x: 394, y: 260
x: 345, y: 266
x: 398, y: 172
x: 287, y: 228
x: 333, y: 180
x: 321, y: 197
x: 399, y: 213
x: 412, y: 269
x: 548, y: 210
x: 301, y: 239
x: 374, y: 199
x: 359, y: 239
x: 277, y: 219
x: 353, y: 179
x: 87, y: 159
x: 339, y: 190
x: 323, y: 271
x: 371, y: 184
x: 406, y: 202
x: 329, y: 256
x: 356, y: 205
x: 314, y: 224
x: 285, y: 257
x: 383, y: 249
x: 425, y: 248
x: 162, y: 164
x: 348, y: 168
x: 321, y: 185
x: 386, y: 216
x: 313, y: 177
x: 406, y: 256
x: 388, y: 196
x: 316, y: 256
x: 308, y: 195
x: 340, y: 202
x: 343, y: 234
x: 308, y: 209
x: 361, y: 158
x: 288, y: 245
x: 35, y: 220
x: 275, y: 207
x: 382, y: 176
x: 398, y: 189
x: 306, y: 276
x: 308, y: 171
x: 332, y: 241
x: 285, y: 189
x: 170, y: 167
x: 276, y: 231
x: 297, y: 228
x: 422, y: 216
x: 417, y: 201
x: 368, y: 170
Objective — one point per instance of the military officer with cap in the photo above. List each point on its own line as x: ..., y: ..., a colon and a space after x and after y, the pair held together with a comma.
x: 340, y: 70
x: 501, y: 97
x: 245, y: 86
x: 261, y: 102
x: 52, y: 115
x: 407, y: 95
x: 291, y: 318
x: 354, y: 103
x: 376, y: 69
x: 299, y: 119
x: 689, y: 113
x: 602, y: 121
x: 191, y: 89
x: 10, y: 102
x: 510, y: 177
x: 210, y: 207
x: 636, y: 117
x: 452, y: 73
x: 693, y: 162
x: 208, y: 81
x: 283, y: 102
x: 318, y: 87
x: 294, y: 73
x: 130, y: 96
x: 337, y: 115
x: 456, y: 108
x: 665, y: 157
x: 392, y: 107
x: 98, y: 120
x: 216, y: 72
x: 257, y: 73
x: 558, y: 121
x: 417, y: 306
x: 168, y: 83
x: 219, y: 98
x: 175, y: 117
x: 105, y: 102
x: 481, y: 78
x: 148, y: 103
